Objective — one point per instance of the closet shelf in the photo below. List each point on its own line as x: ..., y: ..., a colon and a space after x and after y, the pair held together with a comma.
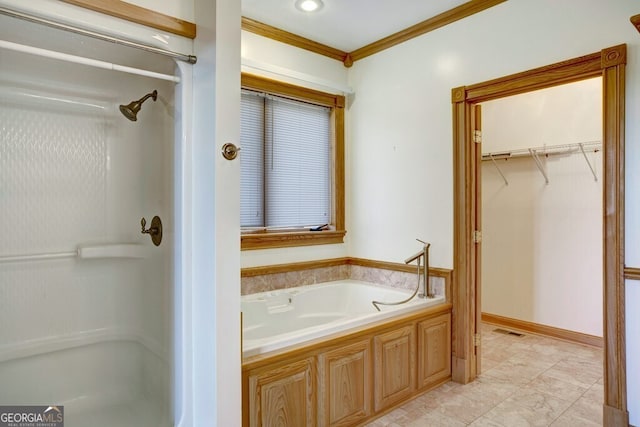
x: 548, y: 150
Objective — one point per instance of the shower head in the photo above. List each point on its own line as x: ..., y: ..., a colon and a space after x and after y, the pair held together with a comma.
x: 130, y: 111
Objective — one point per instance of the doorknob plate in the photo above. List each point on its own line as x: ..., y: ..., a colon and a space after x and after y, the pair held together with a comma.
x: 230, y: 151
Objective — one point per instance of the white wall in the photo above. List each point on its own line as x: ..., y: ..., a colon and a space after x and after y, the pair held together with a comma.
x: 542, y: 244
x: 302, y: 68
x: 401, y: 139
x: 182, y: 9
x: 563, y: 114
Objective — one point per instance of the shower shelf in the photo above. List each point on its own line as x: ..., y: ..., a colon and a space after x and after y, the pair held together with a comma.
x: 92, y: 251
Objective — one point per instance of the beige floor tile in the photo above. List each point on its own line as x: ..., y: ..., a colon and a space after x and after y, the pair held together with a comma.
x: 526, y: 381
x: 488, y: 390
x: 595, y: 393
x: 577, y: 371
x: 544, y: 405
x: 515, y: 416
x: 485, y: 422
x: 586, y: 409
x: 488, y: 363
x: 433, y: 419
x: 462, y: 408
x: 517, y: 370
x: 568, y: 420
x: 557, y: 387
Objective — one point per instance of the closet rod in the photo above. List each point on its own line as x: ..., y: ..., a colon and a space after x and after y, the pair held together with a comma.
x: 191, y: 59
x: 546, y: 150
x: 85, y: 61
x: 535, y: 153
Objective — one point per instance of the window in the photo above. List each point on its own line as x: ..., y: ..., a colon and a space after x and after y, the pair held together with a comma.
x: 292, y: 165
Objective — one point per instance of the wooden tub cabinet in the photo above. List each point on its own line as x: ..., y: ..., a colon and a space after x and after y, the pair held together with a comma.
x: 351, y: 377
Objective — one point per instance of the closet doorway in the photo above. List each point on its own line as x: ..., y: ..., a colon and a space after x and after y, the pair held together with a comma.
x: 610, y: 65
x: 541, y: 222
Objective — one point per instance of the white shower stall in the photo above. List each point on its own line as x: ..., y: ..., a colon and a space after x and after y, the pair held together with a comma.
x: 88, y: 303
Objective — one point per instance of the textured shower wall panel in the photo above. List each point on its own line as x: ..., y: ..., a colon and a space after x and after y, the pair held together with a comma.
x: 53, y: 185
x: 65, y: 302
x: 52, y: 179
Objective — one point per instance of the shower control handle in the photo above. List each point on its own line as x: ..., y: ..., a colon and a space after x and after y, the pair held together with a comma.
x: 155, y: 231
x: 230, y: 151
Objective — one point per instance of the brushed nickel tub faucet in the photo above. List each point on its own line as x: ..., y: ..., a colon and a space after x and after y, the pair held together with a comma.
x: 426, y: 289
x: 424, y: 253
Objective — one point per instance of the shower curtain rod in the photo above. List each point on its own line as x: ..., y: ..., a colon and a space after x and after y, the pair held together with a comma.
x: 85, y: 61
x: 191, y: 59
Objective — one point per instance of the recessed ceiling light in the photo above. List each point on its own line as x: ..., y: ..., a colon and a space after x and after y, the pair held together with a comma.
x: 309, y: 5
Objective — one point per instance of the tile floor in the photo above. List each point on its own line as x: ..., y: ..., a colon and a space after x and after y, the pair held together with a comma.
x: 526, y: 381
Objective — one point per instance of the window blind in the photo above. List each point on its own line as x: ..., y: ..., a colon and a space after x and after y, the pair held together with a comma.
x: 292, y: 164
x: 252, y: 161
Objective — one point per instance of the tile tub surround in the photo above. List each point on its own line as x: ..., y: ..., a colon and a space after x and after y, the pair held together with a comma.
x: 261, y: 279
x: 291, y: 279
x: 526, y: 381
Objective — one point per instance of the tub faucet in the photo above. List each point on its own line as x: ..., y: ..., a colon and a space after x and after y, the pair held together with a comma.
x: 424, y: 253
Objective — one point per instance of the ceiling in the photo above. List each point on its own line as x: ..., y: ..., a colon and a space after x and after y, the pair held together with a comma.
x: 346, y: 24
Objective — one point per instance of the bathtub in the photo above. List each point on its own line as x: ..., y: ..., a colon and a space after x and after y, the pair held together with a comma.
x: 274, y: 320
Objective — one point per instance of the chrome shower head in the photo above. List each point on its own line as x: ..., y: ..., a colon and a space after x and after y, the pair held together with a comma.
x: 130, y: 111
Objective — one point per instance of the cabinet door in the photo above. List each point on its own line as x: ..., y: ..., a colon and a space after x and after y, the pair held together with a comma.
x: 345, y: 393
x: 434, y: 350
x: 283, y: 396
x: 394, y: 360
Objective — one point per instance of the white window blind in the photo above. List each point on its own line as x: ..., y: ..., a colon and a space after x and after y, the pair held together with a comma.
x: 252, y: 161
x: 285, y: 162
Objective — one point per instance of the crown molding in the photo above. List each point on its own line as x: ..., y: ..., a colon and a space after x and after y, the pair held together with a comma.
x: 139, y: 15
x: 457, y: 13
x: 348, y: 58
x: 277, y: 34
x: 635, y: 20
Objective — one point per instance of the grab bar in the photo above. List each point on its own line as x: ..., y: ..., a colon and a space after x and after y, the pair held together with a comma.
x: 85, y: 251
x: 38, y: 257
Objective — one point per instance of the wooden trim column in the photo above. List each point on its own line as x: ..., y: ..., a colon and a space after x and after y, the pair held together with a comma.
x: 615, y: 381
x: 463, y: 251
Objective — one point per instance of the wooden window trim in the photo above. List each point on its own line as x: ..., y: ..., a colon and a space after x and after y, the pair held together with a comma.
x: 282, y: 239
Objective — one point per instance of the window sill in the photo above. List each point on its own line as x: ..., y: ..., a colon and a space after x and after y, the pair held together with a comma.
x: 271, y: 240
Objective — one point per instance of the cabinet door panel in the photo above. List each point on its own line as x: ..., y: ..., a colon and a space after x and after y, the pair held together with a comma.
x: 345, y: 375
x: 394, y: 360
x: 434, y: 350
x: 283, y: 396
